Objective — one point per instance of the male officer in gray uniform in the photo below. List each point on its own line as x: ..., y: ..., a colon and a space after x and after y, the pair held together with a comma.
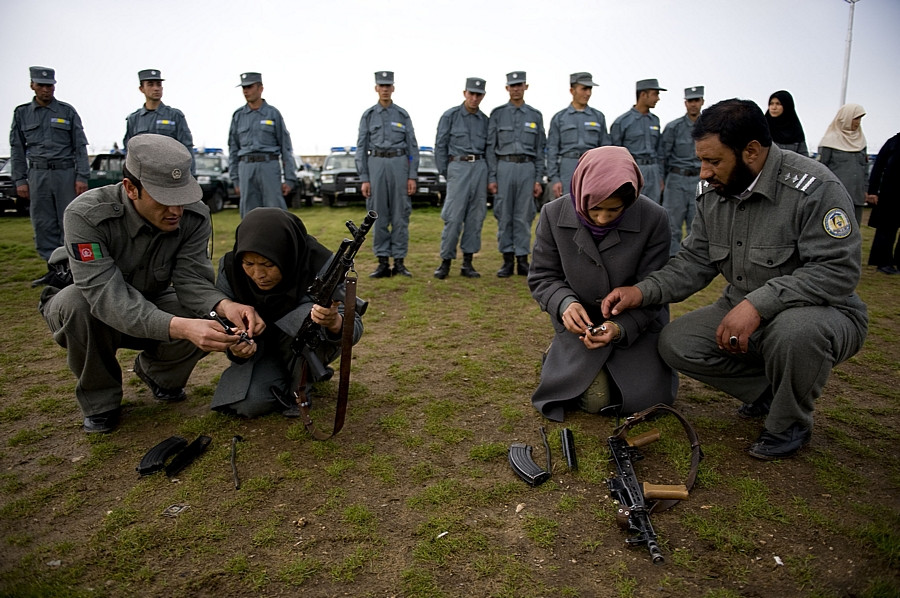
x: 459, y: 151
x: 257, y: 139
x: 142, y: 280
x: 682, y: 167
x: 387, y: 159
x: 573, y: 131
x: 638, y: 131
x: 156, y: 117
x: 49, y: 161
x: 515, y: 153
x: 779, y: 228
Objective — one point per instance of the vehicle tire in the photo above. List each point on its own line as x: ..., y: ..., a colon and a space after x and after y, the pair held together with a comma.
x: 216, y: 201
x: 329, y: 199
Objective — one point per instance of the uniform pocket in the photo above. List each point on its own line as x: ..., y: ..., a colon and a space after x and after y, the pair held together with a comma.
x: 568, y: 134
x: 776, y: 258
x: 61, y: 129
x: 267, y: 136
x: 505, y: 136
x: 32, y: 134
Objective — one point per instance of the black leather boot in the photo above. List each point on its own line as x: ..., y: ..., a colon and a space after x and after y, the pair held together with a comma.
x: 443, y: 270
x: 508, y: 265
x: 45, y: 279
x: 522, y: 265
x: 468, y: 270
x: 399, y: 268
x: 383, y: 270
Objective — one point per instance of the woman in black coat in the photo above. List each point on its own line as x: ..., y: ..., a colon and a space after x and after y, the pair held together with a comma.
x: 784, y: 124
x: 601, y: 236
x: 884, y: 193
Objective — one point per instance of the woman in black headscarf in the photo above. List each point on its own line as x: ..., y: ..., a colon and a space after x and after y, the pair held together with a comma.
x: 605, y: 234
x: 784, y: 124
x: 273, y: 263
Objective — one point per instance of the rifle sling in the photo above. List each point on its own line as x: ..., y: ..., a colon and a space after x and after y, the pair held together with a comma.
x: 344, y: 382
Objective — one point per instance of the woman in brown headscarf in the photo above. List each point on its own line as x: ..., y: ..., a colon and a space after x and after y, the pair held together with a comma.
x: 603, y: 235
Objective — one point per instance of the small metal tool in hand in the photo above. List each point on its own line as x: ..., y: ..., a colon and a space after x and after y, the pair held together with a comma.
x: 229, y: 329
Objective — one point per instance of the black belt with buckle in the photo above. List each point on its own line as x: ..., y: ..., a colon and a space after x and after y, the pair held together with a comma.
x: 571, y: 155
x: 685, y: 171
x: 644, y: 161
x: 467, y: 158
x: 516, y: 158
x: 56, y: 164
x: 393, y: 153
x: 258, y: 157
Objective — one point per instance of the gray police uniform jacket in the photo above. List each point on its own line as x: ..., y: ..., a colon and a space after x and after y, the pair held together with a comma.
x: 573, y: 132
x: 51, y: 132
x: 677, y: 146
x: 791, y: 243
x: 165, y: 120
x: 260, y: 131
x: 850, y: 168
x: 383, y: 129
x: 516, y: 130
x: 568, y: 262
x: 460, y: 133
x: 639, y: 133
x: 119, y: 262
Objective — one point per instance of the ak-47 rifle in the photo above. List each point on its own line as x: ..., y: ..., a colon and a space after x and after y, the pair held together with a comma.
x: 634, y: 509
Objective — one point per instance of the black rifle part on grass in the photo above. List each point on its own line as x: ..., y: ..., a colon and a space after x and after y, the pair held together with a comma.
x: 155, y: 459
x: 522, y: 463
x: 234, y: 472
x: 637, y: 501
x: 567, y: 440
x: 188, y: 455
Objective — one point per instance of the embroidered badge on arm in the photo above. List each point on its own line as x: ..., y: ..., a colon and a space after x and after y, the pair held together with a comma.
x: 837, y: 224
x: 87, y: 252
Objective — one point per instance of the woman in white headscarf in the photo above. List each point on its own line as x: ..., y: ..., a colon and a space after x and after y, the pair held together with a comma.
x: 843, y: 150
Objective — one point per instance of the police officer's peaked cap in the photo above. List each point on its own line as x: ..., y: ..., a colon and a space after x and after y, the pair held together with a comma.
x: 42, y: 75
x: 150, y: 75
x: 582, y: 79
x: 163, y: 166
x: 645, y: 84
x: 693, y: 93
x: 384, y: 77
x: 248, y: 79
x: 475, y: 85
x: 515, y: 77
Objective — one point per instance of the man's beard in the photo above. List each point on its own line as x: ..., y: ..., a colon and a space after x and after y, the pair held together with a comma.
x: 740, y: 179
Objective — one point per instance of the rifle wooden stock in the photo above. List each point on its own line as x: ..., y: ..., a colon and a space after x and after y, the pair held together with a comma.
x: 665, y: 491
x: 643, y: 439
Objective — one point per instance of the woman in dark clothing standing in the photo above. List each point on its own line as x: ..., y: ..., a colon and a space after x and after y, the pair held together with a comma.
x: 884, y: 193
x: 784, y: 124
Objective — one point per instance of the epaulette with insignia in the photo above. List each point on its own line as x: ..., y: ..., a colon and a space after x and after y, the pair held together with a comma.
x: 797, y: 179
x: 704, y: 187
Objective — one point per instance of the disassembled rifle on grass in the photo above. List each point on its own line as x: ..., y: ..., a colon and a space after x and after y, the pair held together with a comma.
x: 525, y: 467
x: 637, y: 501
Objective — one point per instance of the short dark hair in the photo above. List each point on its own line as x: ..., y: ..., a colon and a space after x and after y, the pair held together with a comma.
x: 736, y: 122
x: 134, y: 180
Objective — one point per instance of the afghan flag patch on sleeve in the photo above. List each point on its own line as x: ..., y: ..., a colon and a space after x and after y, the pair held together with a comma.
x: 87, y: 252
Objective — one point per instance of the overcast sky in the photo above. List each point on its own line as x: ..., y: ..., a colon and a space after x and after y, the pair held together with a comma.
x: 318, y: 58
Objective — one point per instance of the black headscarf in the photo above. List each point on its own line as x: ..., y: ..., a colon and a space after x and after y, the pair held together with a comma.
x: 785, y: 128
x: 280, y: 237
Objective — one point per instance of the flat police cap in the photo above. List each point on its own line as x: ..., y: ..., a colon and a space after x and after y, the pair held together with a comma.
x: 150, y: 75
x: 693, y: 93
x: 384, y: 77
x: 248, y: 79
x: 515, y: 77
x: 475, y: 85
x: 582, y: 79
x: 42, y: 75
x: 645, y: 84
x: 163, y: 166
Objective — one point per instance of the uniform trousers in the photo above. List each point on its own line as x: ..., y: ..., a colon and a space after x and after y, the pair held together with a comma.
x: 566, y: 170
x: 680, y: 201
x: 50, y: 191
x: 652, y: 181
x: 91, y: 349
x: 464, y: 208
x: 514, y: 206
x: 793, y: 355
x: 260, y: 185
x: 388, y: 179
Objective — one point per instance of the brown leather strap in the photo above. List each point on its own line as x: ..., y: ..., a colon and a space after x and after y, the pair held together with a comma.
x: 347, y: 331
x: 696, y: 452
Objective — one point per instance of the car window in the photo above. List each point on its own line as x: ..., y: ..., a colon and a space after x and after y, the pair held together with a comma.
x: 208, y: 163
x: 332, y: 162
x: 427, y: 161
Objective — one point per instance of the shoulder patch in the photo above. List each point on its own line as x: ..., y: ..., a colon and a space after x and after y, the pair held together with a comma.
x: 87, y: 252
x: 837, y: 224
x: 799, y: 180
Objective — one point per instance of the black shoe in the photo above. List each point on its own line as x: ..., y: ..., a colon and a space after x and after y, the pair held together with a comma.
x: 522, y: 265
x: 383, y: 270
x: 102, y: 423
x: 169, y: 395
x: 770, y: 446
x: 758, y: 408
x: 468, y: 270
x: 45, y: 279
x: 443, y: 270
x: 507, y: 269
x: 882, y: 269
x: 400, y: 269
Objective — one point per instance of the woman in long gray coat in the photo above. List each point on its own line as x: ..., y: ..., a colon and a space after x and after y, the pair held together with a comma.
x: 603, y: 235
x: 843, y: 151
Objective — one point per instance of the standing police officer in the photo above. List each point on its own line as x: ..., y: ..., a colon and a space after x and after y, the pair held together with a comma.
x: 682, y: 167
x: 515, y: 152
x: 257, y: 139
x: 156, y: 117
x: 49, y: 161
x: 387, y: 159
x: 573, y: 131
x: 638, y: 131
x: 459, y: 151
